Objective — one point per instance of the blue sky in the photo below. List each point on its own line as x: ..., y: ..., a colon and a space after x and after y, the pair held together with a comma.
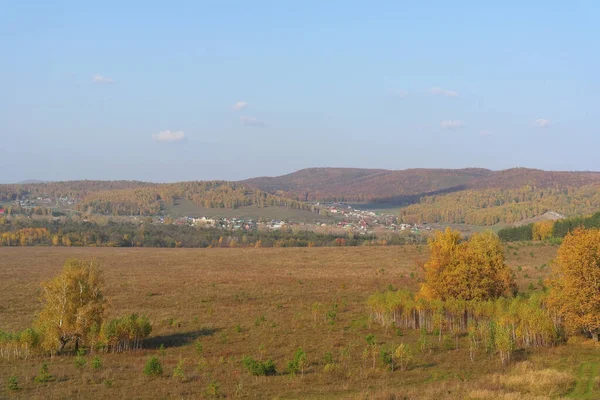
x: 168, y: 91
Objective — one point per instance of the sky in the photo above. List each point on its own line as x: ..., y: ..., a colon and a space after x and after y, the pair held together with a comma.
x: 193, y: 90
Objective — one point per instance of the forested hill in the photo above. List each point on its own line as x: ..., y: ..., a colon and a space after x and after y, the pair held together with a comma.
x: 472, y: 196
x: 366, y: 185
x: 379, y: 185
x: 143, y: 198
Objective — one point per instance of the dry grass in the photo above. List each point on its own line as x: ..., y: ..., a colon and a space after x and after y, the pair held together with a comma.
x: 248, y: 302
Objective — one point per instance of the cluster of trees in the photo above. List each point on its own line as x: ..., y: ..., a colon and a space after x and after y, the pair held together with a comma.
x: 73, y: 315
x: 25, y: 237
x: 492, y: 206
x: 548, y: 229
x: 70, y: 189
x: 149, y: 200
x: 69, y: 233
x: 470, y: 290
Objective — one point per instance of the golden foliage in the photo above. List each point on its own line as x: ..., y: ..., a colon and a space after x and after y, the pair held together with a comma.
x: 576, y: 281
x: 466, y: 270
x: 73, y: 306
x: 542, y: 230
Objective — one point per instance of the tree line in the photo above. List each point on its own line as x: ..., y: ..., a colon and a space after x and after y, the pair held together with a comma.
x: 549, y: 229
x: 70, y: 233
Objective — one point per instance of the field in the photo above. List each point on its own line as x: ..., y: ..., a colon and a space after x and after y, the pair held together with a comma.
x: 261, y: 302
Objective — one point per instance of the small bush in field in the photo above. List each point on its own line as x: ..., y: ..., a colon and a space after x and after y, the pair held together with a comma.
x: 80, y: 361
x: 370, y: 339
x: 44, y: 375
x: 96, y: 363
x: 213, y: 389
x: 199, y: 348
x: 298, y: 363
x: 13, y: 384
x: 202, y: 363
x: 259, y: 368
x: 153, y: 367
x: 178, y: 372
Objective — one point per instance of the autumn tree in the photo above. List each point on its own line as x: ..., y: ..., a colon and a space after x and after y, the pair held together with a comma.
x: 575, y: 281
x: 542, y: 230
x: 466, y: 270
x: 73, y: 306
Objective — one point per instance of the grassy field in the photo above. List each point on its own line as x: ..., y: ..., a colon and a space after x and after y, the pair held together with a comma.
x: 259, y: 302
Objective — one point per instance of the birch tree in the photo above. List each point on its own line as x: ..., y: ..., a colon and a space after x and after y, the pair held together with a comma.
x: 73, y: 306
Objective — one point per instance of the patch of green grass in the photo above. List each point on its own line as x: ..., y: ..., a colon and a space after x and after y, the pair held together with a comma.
x: 586, y: 377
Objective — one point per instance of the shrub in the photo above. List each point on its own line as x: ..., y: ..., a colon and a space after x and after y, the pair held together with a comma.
x: 96, y: 363
x: 199, y: 348
x: 213, y: 389
x: 298, y: 363
x: 80, y: 361
x: 202, y: 363
x: 258, y: 368
x: 44, y: 375
x: 178, y: 372
x: 13, y: 383
x: 370, y: 339
x: 153, y: 367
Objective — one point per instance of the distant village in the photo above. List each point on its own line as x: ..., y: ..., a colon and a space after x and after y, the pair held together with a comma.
x: 345, y: 218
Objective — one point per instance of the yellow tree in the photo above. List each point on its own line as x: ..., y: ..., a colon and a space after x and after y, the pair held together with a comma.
x: 542, y: 230
x: 73, y: 305
x: 575, y: 281
x: 466, y: 270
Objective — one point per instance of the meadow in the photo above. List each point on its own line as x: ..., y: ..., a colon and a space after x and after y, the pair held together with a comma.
x: 211, y: 307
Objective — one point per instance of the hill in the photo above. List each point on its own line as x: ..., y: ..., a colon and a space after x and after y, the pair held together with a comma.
x: 462, y: 196
x: 366, y: 185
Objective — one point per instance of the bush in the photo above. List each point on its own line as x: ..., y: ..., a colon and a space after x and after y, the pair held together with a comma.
x: 298, y: 363
x: 370, y: 339
x: 213, y: 389
x: 199, y: 347
x: 96, y: 363
x: 13, y: 383
x: 153, y: 367
x: 178, y: 372
x: 80, y: 361
x: 44, y: 375
x: 258, y: 368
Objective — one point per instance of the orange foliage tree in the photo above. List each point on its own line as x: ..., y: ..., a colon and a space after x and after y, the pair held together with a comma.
x: 473, y: 269
x: 542, y: 230
x: 575, y: 281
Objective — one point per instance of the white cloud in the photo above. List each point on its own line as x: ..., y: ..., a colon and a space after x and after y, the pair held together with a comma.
x: 541, y: 123
x: 169, y: 136
x: 485, y: 132
x: 443, y: 92
x: 451, y: 124
x: 102, y: 79
x: 251, y: 121
x: 240, y: 105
